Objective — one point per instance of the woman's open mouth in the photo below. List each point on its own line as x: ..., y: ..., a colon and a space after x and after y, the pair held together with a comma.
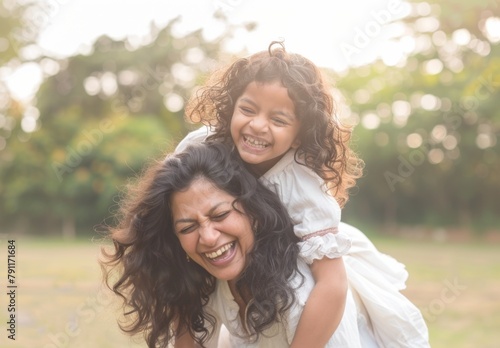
x: 222, y: 254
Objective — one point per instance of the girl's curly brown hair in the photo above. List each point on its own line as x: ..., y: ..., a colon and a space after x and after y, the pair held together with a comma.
x: 324, y: 140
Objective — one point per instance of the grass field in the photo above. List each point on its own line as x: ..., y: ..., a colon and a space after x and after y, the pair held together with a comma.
x: 60, y: 302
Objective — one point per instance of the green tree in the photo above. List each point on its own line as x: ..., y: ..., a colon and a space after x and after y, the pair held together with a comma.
x: 18, y: 28
x: 429, y: 125
x: 102, y: 116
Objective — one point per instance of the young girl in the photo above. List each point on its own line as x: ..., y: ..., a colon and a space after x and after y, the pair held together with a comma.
x: 277, y: 112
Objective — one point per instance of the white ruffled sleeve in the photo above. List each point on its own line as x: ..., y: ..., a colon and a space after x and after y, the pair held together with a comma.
x: 316, y: 214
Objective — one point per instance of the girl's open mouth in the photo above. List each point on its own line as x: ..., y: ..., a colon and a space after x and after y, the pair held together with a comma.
x: 253, y: 142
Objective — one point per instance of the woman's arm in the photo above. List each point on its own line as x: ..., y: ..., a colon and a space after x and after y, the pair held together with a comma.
x: 325, y: 306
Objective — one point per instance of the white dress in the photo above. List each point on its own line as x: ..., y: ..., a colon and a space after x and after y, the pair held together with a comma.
x: 223, y: 307
x: 386, y: 318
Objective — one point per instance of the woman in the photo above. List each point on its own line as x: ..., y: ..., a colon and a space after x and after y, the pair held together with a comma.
x: 200, y: 244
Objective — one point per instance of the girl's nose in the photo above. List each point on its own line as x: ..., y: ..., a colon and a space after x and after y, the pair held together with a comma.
x: 209, y: 235
x: 259, y: 123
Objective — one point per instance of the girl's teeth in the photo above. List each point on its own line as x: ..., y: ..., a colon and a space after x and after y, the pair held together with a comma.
x: 219, y: 252
x: 256, y: 142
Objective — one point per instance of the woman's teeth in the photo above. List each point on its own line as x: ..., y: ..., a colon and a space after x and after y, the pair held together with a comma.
x: 256, y: 143
x: 220, y: 251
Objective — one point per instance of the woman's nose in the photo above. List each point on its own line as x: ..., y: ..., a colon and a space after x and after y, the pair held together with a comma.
x: 209, y: 235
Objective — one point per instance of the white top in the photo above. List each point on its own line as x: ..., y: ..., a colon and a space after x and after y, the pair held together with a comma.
x: 375, y: 279
x: 223, y: 307
x: 315, y: 214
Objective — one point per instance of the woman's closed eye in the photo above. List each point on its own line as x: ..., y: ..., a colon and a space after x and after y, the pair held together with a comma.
x: 220, y: 216
x: 216, y: 217
x: 187, y: 229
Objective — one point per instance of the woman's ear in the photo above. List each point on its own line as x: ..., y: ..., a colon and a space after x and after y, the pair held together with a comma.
x: 255, y: 225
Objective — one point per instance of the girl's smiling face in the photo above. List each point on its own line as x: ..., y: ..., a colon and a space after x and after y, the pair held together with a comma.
x: 211, y: 231
x: 264, y: 125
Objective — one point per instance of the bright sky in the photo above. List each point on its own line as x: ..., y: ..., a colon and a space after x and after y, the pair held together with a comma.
x: 333, y: 33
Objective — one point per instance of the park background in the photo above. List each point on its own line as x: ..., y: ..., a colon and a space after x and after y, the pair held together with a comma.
x: 420, y: 81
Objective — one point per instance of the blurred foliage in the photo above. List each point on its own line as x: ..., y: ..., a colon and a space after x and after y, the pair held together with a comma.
x: 427, y: 127
x: 17, y: 29
x: 100, y: 116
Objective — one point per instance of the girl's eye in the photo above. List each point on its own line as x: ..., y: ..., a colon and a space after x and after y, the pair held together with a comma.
x: 280, y: 122
x: 246, y: 110
x: 221, y: 216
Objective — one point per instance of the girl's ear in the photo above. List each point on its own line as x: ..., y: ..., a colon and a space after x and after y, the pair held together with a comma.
x: 296, y: 143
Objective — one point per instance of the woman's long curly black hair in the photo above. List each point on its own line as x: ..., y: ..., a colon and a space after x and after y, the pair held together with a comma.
x: 324, y: 141
x: 165, y: 294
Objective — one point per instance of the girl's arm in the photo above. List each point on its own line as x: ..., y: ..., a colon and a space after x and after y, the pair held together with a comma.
x: 194, y: 137
x: 325, y: 306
